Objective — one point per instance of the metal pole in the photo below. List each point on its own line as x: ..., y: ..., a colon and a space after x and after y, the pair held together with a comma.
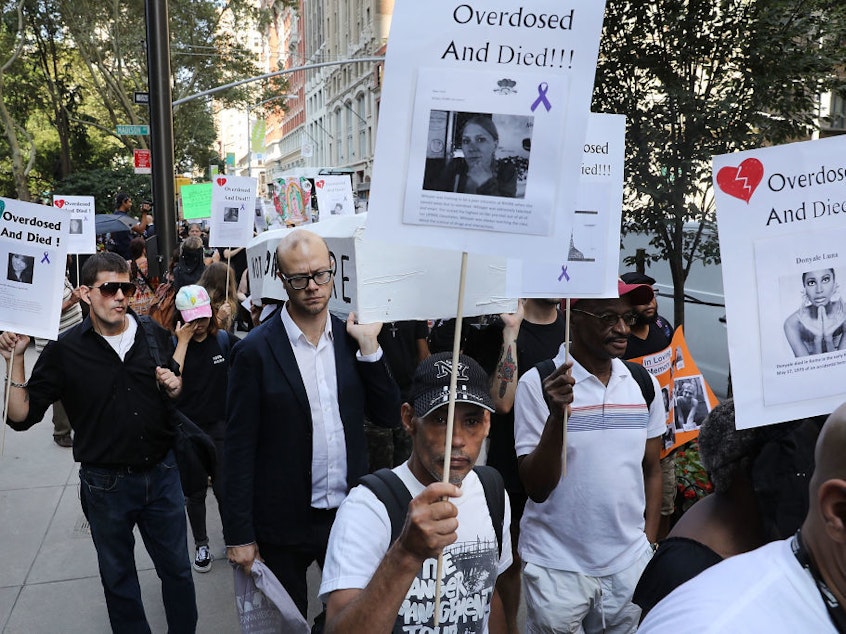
x: 161, y: 126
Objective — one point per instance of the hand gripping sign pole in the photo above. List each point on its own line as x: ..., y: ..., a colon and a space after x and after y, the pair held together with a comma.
x: 453, y: 381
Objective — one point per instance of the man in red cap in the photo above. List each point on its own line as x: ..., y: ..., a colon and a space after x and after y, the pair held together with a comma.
x: 588, y: 532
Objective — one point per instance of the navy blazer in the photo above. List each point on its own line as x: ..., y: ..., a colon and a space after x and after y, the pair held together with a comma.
x: 268, y: 445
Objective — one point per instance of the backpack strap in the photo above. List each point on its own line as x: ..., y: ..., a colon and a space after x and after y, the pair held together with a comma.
x: 387, y: 486
x: 644, y: 380
x: 545, y: 368
x: 390, y: 490
x: 146, y: 324
x: 495, y: 497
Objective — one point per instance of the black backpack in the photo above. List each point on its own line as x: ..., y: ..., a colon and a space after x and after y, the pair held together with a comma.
x: 638, y: 372
x: 389, y: 488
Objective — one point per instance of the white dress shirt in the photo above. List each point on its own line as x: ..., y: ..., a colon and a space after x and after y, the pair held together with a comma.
x: 319, y: 374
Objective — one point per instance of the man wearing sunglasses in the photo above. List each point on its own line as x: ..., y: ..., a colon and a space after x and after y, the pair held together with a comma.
x: 587, y: 532
x: 299, y: 386
x: 115, y: 398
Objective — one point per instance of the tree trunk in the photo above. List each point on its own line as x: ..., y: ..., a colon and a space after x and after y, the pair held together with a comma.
x: 19, y: 169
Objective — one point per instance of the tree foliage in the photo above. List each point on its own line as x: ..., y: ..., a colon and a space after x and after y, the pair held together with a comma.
x: 696, y: 78
x: 71, y: 67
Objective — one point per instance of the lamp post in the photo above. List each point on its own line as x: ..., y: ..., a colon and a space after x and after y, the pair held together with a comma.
x: 249, y: 135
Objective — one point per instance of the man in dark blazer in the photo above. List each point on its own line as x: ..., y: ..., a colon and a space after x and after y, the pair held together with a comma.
x: 299, y: 387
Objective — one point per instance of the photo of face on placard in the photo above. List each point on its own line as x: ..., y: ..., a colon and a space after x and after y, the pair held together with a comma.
x: 816, y: 326
x: 230, y: 214
x: 75, y: 227
x: 20, y: 268
x: 689, y: 402
x: 475, y: 153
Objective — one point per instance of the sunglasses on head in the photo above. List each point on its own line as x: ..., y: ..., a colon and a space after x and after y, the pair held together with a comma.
x: 110, y: 289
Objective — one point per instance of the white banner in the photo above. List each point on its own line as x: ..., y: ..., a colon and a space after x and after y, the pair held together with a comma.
x: 334, y: 196
x: 232, y: 211
x: 586, y: 264
x: 82, y: 237
x: 388, y: 282
x: 33, y: 255
x: 483, y: 109
x: 781, y: 213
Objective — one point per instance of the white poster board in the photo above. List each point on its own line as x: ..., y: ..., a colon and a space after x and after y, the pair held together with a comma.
x: 79, y: 210
x: 780, y: 214
x: 334, y: 195
x: 586, y: 264
x: 232, y: 211
x: 33, y: 254
x: 483, y: 109
x: 381, y: 281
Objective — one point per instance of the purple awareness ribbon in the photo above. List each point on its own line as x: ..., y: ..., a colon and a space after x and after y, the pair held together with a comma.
x: 543, y: 88
x: 46, y: 258
x: 564, y: 273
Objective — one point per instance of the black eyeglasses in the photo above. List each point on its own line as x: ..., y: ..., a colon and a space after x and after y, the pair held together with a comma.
x: 610, y: 320
x: 110, y: 289
x: 299, y: 282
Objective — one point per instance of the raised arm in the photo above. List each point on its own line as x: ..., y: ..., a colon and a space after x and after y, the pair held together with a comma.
x: 430, y: 525
x: 504, y: 381
x: 18, y: 394
x: 540, y: 469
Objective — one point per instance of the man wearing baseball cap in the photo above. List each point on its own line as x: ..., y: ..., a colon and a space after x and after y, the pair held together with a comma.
x: 588, y: 532
x: 373, y: 583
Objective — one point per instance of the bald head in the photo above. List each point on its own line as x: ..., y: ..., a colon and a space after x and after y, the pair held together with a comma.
x: 830, y: 452
x: 300, y: 242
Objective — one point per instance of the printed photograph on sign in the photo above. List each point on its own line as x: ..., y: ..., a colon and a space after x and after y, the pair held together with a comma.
x: 802, y: 314
x: 482, y: 149
x: 230, y: 214
x: 21, y: 267
x: 478, y: 153
x: 75, y: 227
x: 690, y: 406
x: 816, y: 326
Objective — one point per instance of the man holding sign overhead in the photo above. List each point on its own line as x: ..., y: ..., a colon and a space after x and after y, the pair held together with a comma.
x: 583, y: 537
x: 299, y: 387
x: 382, y: 558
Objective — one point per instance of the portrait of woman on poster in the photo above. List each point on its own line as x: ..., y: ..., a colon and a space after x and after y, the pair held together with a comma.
x: 817, y: 326
x: 478, y: 171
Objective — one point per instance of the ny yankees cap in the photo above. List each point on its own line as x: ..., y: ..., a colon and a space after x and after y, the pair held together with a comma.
x: 430, y: 386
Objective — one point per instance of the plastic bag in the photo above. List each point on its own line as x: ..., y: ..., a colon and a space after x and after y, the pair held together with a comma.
x: 264, y: 606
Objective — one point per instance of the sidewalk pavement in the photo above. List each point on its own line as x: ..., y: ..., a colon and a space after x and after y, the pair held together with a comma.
x: 49, y: 580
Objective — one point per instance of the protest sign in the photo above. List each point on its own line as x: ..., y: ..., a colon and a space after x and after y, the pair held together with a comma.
x: 334, y: 195
x: 196, y: 201
x: 586, y: 264
x: 687, y: 396
x: 387, y: 282
x: 780, y: 214
x: 232, y: 211
x: 33, y: 252
x: 79, y: 211
x: 484, y: 109
x: 292, y: 201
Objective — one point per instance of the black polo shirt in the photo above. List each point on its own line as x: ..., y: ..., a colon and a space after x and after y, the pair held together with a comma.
x: 117, y: 412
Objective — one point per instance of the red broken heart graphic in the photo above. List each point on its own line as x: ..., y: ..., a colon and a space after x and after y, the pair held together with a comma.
x: 741, y: 181
x: 320, y: 184
x: 221, y: 181
x: 59, y: 203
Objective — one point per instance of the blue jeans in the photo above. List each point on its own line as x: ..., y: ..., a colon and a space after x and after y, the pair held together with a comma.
x: 114, y: 501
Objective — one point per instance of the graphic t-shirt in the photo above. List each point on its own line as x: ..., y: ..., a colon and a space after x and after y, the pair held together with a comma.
x: 361, y: 537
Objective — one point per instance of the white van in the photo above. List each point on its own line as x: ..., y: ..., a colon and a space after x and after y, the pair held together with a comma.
x: 704, y: 312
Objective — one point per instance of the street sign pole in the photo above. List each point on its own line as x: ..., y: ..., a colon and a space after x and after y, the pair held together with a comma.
x: 161, y: 120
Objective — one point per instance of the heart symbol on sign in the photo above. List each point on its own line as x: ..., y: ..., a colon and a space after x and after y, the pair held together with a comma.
x: 741, y: 181
x: 221, y: 181
x: 320, y: 184
x: 59, y: 203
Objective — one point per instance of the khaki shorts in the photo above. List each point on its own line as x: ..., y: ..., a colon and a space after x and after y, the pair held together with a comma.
x: 668, y: 484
